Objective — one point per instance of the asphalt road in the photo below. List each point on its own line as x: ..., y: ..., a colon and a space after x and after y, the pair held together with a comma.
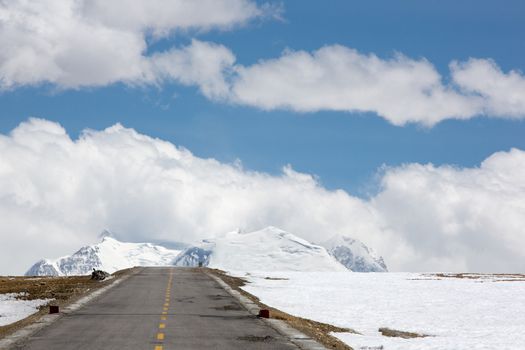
x: 160, y: 309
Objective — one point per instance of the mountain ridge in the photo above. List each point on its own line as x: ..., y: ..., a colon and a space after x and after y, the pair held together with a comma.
x: 269, y: 249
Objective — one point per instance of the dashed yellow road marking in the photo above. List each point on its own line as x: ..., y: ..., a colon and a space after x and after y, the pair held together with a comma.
x: 164, y: 317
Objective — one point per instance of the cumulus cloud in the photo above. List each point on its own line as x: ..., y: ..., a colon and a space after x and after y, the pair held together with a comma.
x: 57, y: 194
x: 467, y: 219
x: 400, y: 89
x: 502, y: 93
x: 342, y: 79
x: 78, y: 43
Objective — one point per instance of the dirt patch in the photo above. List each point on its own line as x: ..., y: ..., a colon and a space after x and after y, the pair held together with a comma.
x: 387, y: 332
x: 63, y: 291
x: 317, y: 330
x: 482, y: 277
x: 276, y: 279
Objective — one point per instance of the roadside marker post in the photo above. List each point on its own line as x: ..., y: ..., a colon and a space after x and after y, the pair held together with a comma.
x: 264, y: 313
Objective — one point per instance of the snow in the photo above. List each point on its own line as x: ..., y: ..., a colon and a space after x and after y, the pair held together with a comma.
x: 354, y: 254
x: 486, y: 312
x: 13, y: 309
x: 270, y: 249
x: 109, y: 255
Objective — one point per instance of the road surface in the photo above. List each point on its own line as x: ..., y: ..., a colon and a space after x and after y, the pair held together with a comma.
x: 160, y: 309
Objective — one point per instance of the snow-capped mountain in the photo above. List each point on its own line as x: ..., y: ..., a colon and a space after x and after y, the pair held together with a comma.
x: 354, y: 254
x: 270, y: 249
x: 194, y: 256
x: 109, y: 255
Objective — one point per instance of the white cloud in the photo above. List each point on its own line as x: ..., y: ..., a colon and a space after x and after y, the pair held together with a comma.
x: 163, y: 17
x: 57, y: 194
x: 400, y: 89
x: 503, y: 94
x: 458, y: 218
x: 78, y: 43
x: 341, y: 79
x: 203, y: 64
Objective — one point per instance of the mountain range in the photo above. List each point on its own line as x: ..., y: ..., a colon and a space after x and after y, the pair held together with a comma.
x: 270, y: 249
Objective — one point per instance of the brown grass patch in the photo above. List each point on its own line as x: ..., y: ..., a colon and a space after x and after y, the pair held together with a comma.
x: 316, y: 330
x: 387, y: 332
x: 64, y: 291
x: 500, y: 277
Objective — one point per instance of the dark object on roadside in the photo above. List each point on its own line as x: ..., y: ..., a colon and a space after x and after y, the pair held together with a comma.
x: 264, y: 313
x: 99, y: 275
x: 53, y: 309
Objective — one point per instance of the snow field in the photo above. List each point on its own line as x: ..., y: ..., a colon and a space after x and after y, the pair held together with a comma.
x: 459, y: 314
x: 13, y: 309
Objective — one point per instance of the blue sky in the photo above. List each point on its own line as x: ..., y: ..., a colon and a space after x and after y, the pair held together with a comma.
x: 345, y: 149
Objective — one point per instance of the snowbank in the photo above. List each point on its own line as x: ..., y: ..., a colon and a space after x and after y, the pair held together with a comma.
x: 13, y: 309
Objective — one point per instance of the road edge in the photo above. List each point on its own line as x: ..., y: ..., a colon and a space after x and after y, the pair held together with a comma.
x: 300, y: 339
x: 46, y: 320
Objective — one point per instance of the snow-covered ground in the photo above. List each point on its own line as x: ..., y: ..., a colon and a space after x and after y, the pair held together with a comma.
x: 13, y: 309
x: 459, y: 314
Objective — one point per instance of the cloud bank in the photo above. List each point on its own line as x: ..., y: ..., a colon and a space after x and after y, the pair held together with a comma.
x: 76, y: 43
x: 57, y: 194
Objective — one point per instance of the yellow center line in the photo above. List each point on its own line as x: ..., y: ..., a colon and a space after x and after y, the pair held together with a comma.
x: 164, y: 317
